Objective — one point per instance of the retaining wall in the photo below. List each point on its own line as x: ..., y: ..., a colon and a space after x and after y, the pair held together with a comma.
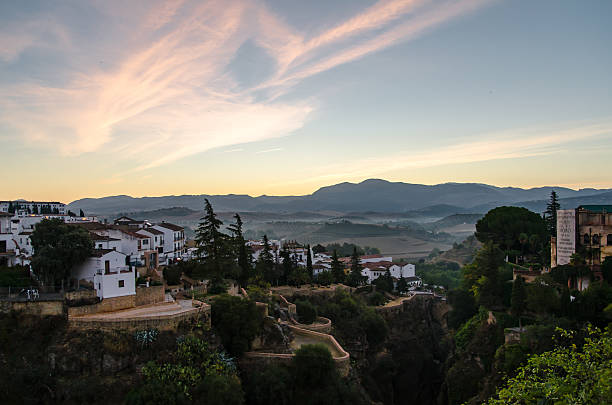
x: 341, y: 361
x: 150, y: 295
x: 37, y: 308
x: 161, y: 323
x: 106, y: 305
x: 323, y: 325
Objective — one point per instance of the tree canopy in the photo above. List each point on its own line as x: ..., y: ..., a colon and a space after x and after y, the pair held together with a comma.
x: 58, y: 247
x: 504, y: 225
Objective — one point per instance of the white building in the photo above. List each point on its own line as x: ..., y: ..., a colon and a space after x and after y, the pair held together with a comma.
x: 7, y: 243
x: 399, y: 270
x: 33, y: 207
x: 174, y: 241
x: 107, y: 272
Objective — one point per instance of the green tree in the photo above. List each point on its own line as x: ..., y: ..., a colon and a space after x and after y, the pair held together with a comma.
x: 241, y: 252
x: 463, y: 307
x: 11, y: 207
x: 309, y: 262
x: 565, y: 375
x: 307, y: 312
x: 482, y: 277
x: 81, y: 213
x: 355, y: 278
x: 212, y: 244
x: 325, y: 278
x: 314, y: 367
x: 337, y: 268
x: 384, y: 282
x: 265, y: 263
x: 237, y: 321
x: 402, y: 285
x: 519, y: 298
x: 58, y: 247
x: 551, y: 213
x: 318, y: 248
x: 504, y: 225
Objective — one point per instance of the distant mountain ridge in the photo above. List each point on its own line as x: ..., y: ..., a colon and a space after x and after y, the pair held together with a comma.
x: 370, y: 195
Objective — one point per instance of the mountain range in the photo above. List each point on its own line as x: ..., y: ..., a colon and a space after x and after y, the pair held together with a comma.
x: 374, y: 195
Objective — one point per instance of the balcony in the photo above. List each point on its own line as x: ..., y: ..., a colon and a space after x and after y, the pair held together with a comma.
x: 114, y: 270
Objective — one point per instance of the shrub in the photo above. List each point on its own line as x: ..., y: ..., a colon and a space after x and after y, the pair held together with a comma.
x: 172, y: 275
x: 307, y: 313
x: 377, y: 299
x: 238, y: 321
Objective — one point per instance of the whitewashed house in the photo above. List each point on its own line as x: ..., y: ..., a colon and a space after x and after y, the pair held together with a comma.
x: 8, y: 248
x: 399, y: 270
x: 108, y: 274
x: 374, y: 270
x: 174, y: 240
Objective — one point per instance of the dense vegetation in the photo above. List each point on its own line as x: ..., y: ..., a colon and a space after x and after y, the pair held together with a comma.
x: 542, y: 365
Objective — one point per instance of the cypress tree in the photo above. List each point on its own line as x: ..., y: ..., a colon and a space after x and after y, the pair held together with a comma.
x: 551, y: 213
x: 518, y: 301
x: 11, y: 207
x: 309, y: 268
x: 81, y: 213
x: 337, y: 268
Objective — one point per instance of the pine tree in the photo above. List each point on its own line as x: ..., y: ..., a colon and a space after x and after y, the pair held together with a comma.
x: 309, y: 268
x: 81, y: 213
x: 11, y: 207
x: 241, y: 252
x: 355, y: 278
x: 518, y: 302
x: 402, y: 285
x: 337, y: 268
x: 212, y: 243
x: 36, y: 209
x: 265, y: 263
x: 287, y: 265
x: 551, y: 213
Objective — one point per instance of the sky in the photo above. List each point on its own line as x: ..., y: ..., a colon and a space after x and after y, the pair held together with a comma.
x: 281, y: 97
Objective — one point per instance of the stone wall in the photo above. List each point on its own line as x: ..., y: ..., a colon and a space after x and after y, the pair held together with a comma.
x: 322, y: 324
x: 340, y: 356
x: 150, y: 295
x: 80, y: 295
x: 161, y: 323
x: 106, y: 305
x: 37, y: 308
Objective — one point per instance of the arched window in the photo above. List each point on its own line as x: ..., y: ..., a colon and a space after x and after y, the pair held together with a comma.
x: 595, y: 239
x: 587, y: 239
x: 610, y: 239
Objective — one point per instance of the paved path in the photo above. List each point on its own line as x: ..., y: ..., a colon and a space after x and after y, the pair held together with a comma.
x: 161, y: 309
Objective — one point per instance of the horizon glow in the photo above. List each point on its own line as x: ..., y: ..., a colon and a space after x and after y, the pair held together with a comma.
x: 152, y: 98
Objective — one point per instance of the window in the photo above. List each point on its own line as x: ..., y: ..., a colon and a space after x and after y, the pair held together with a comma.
x: 610, y: 239
x: 121, y: 283
x: 595, y: 239
x: 586, y: 239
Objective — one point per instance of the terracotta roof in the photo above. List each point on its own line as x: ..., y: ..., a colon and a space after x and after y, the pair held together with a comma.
x: 172, y: 227
x: 25, y: 233
x: 134, y: 234
x: 102, y: 252
x: 95, y: 236
x: 89, y: 225
x: 152, y: 231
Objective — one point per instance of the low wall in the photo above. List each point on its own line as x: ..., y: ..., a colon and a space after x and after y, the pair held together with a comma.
x: 323, y: 325
x: 341, y: 360
x: 37, y: 308
x: 161, y: 323
x: 150, y: 295
x: 106, y: 305
x: 80, y: 295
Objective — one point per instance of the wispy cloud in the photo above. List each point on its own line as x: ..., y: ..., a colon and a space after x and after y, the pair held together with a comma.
x: 169, y: 94
x: 511, y: 144
x: 269, y: 150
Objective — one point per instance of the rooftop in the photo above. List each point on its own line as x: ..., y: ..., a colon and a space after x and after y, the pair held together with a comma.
x: 597, y: 208
x: 170, y: 226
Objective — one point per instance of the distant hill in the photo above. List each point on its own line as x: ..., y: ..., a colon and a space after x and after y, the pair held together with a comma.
x: 370, y: 195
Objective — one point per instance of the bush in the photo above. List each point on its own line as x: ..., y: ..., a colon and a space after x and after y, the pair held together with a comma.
x: 15, y: 277
x: 307, y: 313
x: 238, y: 322
x: 172, y: 275
x: 377, y: 299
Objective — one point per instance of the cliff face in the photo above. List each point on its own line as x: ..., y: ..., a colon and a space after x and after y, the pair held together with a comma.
x: 411, y: 367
